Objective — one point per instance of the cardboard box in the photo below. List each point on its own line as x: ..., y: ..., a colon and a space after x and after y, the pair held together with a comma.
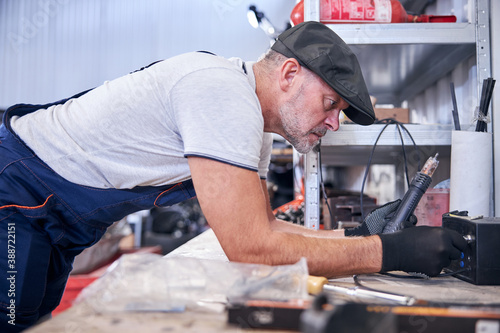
x: 400, y: 114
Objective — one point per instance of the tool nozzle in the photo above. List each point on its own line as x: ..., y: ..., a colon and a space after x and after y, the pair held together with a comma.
x: 431, y: 165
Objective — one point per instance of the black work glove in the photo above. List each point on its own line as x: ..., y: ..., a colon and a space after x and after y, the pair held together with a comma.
x: 422, y: 249
x: 374, y: 223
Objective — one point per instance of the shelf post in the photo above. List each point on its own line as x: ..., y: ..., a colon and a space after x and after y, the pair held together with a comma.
x: 483, y: 62
x: 311, y: 179
x: 483, y: 54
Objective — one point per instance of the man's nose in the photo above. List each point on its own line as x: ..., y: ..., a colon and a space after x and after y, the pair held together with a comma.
x: 332, y: 121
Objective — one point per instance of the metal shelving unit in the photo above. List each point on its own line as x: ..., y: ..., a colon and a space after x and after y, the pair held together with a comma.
x: 424, y: 53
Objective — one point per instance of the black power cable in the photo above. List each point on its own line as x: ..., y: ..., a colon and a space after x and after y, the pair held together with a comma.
x: 387, y: 122
x: 399, y: 126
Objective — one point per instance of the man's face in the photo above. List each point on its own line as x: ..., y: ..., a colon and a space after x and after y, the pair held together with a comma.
x: 312, y: 109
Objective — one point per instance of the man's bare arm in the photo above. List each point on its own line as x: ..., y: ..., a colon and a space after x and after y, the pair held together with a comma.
x: 237, y: 209
x: 280, y: 225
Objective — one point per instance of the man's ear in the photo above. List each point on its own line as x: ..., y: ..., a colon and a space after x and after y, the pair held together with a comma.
x: 289, y: 70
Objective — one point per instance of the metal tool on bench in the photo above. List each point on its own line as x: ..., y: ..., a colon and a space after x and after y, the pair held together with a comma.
x: 318, y: 284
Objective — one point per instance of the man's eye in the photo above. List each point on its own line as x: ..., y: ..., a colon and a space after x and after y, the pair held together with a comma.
x: 331, y: 104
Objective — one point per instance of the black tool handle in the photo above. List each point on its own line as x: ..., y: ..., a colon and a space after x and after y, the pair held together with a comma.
x: 418, y: 186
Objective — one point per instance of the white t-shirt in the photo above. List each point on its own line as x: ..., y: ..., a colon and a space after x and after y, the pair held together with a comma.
x: 138, y: 129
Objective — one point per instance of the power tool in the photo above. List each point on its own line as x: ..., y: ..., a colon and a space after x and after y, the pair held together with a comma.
x: 410, y: 200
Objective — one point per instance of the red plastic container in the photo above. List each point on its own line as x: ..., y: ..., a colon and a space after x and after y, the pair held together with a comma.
x: 432, y: 206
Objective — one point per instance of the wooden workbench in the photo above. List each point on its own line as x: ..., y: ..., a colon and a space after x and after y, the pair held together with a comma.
x: 82, y: 318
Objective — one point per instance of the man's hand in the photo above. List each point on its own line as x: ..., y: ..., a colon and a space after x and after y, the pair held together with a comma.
x: 421, y: 249
x: 375, y: 222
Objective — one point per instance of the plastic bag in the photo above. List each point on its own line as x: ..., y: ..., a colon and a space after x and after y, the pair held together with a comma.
x: 104, y: 250
x: 149, y: 282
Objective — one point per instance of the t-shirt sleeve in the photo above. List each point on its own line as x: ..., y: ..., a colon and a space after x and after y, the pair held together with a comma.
x: 219, y: 117
x: 265, y: 155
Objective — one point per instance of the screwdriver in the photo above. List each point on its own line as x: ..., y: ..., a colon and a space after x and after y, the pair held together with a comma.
x: 318, y: 284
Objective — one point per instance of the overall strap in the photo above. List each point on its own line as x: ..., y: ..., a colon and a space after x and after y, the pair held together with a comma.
x: 243, y: 66
x: 23, y: 109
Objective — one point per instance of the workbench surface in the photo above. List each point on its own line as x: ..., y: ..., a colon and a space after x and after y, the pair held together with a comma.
x: 82, y: 318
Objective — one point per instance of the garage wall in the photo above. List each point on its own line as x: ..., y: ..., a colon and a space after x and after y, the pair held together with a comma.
x: 50, y: 49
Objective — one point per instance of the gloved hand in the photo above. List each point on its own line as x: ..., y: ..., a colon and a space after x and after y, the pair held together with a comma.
x: 421, y: 249
x: 375, y: 222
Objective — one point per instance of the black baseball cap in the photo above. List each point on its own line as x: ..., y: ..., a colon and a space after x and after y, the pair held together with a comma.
x: 318, y: 48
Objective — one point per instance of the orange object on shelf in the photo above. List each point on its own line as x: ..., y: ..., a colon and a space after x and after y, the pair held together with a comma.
x: 365, y: 11
x: 294, y: 204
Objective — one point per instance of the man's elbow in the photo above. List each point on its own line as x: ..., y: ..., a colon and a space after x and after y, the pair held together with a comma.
x: 253, y: 252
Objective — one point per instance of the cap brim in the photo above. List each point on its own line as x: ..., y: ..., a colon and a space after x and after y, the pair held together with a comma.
x: 320, y: 50
x: 351, y: 88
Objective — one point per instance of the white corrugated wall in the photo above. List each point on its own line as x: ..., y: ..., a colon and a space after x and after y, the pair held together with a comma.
x: 434, y: 106
x: 50, y: 49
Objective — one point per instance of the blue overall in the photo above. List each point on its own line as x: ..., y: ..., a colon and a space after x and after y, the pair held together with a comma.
x: 45, y: 221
